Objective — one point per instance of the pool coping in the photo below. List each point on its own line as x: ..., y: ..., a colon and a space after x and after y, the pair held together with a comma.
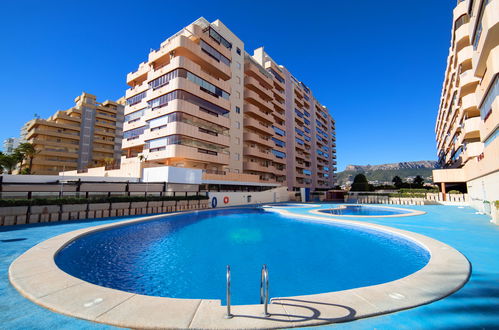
x: 36, y: 276
x: 411, y: 214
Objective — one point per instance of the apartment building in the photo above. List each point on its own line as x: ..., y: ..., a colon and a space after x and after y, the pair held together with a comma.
x: 10, y: 144
x: 467, y: 127
x: 201, y: 101
x: 87, y: 135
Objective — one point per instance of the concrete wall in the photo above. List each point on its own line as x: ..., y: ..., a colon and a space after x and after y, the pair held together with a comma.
x: 172, y: 174
x: 483, y: 189
x: 246, y: 198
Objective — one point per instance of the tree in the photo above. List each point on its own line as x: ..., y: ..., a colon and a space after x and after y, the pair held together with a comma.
x: 397, y: 182
x: 8, y: 162
x: 360, y: 183
x: 28, y: 152
x: 418, y: 181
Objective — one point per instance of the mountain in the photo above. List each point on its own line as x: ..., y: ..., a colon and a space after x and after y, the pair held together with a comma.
x: 384, y: 173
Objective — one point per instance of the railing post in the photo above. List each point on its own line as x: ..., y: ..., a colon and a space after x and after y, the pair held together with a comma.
x: 228, y: 315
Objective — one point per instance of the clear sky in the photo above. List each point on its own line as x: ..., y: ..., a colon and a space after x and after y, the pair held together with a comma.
x: 377, y: 65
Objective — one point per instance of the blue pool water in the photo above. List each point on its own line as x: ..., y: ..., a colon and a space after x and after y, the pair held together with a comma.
x: 362, y: 210
x: 185, y: 256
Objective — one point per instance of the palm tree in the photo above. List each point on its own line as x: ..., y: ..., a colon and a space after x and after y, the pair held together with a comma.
x: 108, y: 162
x: 8, y: 162
x: 28, y: 151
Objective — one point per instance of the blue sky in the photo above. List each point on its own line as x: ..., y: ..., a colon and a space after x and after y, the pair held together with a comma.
x: 377, y: 65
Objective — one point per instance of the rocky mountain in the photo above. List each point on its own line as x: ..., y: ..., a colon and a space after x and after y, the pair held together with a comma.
x: 393, y: 166
x: 384, y: 173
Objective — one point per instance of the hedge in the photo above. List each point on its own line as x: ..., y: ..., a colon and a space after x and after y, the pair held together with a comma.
x: 112, y: 199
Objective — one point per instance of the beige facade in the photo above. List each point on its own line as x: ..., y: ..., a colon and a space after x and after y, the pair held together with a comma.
x: 201, y: 101
x: 467, y: 128
x: 87, y: 135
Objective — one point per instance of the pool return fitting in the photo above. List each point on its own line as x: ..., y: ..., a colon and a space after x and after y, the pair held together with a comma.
x: 264, y: 291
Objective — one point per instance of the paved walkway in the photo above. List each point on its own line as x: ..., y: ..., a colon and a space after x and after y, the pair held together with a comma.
x: 476, y: 305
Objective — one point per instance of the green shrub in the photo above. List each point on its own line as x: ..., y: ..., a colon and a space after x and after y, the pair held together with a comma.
x: 93, y: 200
x: 455, y: 192
x: 497, y: 204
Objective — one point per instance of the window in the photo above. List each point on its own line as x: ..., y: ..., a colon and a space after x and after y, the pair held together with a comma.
x: 238, y: 65
x: 219, y: 39
x: 238, y: 141
x: 238, y: 125
x: 238, y: 51
x: 238, y: 109
x: 215, y: 54
x: 277, y: 76
x: 136, y: 98
x: 279, y: 154
x: 238, y: 95
x: 237, y: 156
x: 238, y: 80
x: 279, y: 131
x: 492, y: 93
x: 278, y: 142
x: 205, y: 86
x: 188, y: 97
x: 134, y: 116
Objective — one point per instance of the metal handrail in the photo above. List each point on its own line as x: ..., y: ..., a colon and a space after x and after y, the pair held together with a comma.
x: 264, y: 289
x: 228, y: 315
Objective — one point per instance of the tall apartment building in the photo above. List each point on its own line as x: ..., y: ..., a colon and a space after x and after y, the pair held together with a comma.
x: 201, y: 101
x: 87, y: 135
x: 467, y: 127
x: 10, y: 144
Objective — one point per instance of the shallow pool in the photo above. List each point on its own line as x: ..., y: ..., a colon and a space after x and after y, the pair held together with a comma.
x: 362, y: 210
x: 185, y: 256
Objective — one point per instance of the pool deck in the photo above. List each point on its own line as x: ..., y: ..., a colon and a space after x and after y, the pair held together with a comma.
x: 476, y: 305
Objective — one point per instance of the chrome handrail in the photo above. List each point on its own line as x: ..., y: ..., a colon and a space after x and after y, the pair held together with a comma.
x: 228, y: 315
x: 264, y: 289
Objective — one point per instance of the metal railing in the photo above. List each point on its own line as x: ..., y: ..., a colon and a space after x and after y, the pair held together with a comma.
x: 264, y: 290
x: 228, y: 315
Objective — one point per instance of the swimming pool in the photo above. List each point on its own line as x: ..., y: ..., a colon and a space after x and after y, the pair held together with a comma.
x: 363, y: 211
x: 184, y: 256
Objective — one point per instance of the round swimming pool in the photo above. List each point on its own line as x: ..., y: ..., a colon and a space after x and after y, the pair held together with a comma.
x: 185, y: 255
x: 365, y: 211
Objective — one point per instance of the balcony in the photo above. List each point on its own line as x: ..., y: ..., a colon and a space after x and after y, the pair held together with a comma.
x: 253, y: 110
x: 487, y: 41
x: 471, y: 128
x: 183, y: 46
x: 193, y: 67
x: 253, y: 97
x: 472, y: 150
x: 136, y: 90
x: 139, y: 76
x: 186, y: 107
x: 257, y: 167
x: 253, y: 137
x: 465, y: 55
x: 179, y: 152
x: 462, y: 36
x: 467, y: 82
x: 258, y: 125
x: 256, y: 86
x: 257, y: 152
x: 263, y: 77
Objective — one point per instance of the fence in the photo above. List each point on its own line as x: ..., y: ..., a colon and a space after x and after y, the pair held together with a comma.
x: 429, y: 198
x: 17, y: 215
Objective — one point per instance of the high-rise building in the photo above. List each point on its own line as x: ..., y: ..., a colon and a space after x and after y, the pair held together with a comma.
x: 87, y: 135
x: 467, y: 127
x: 10, y: 144
x: 201, y: 101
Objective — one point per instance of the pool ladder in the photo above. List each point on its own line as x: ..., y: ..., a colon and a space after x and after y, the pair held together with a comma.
x: 264, y: 291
